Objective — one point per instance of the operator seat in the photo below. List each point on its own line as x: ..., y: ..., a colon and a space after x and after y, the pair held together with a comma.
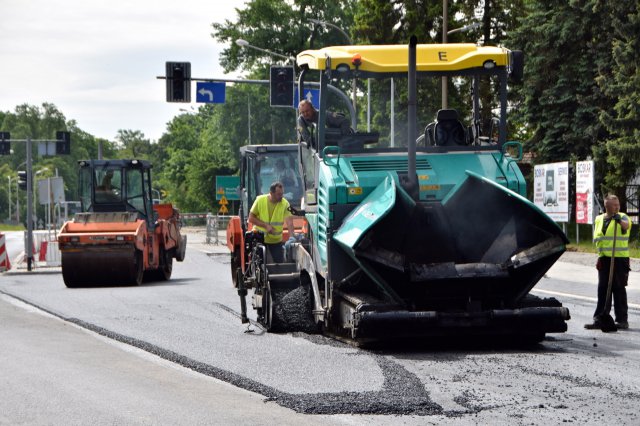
x: 448, y: 129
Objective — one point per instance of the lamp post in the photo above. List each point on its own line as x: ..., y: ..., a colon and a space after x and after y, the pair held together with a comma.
x: 354, y: 86
x: 9, y: 196
x: 445, y: 32
x: 244, y: 43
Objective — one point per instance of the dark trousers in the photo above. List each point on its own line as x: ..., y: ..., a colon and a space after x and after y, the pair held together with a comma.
x: 618, y: 288
x: 275, y: 253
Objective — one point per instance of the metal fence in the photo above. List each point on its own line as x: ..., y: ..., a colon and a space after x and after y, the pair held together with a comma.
x: 216, y: 228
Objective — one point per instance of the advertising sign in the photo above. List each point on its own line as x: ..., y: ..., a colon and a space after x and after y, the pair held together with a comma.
x: 551, y: 190
x: 584, y: 192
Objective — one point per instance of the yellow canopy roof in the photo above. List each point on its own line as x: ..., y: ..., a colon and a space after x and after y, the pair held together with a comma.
x: 394, y: 58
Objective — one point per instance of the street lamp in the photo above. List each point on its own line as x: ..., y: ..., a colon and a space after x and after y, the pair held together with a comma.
x: 9, y: 195
x: 244, y: 43
x: 354, y: 86
x: 445, y: 88
x: 328, y: 24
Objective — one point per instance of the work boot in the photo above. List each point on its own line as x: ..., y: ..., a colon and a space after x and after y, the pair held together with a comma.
x: 596, y: 325
x: 622, y: 325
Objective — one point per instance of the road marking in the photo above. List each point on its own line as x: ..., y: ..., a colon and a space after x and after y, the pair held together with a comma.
x: 575, y: 296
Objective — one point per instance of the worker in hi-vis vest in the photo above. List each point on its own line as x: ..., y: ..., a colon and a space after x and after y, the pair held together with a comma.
x: 268, y: 215
x: 603, y: 237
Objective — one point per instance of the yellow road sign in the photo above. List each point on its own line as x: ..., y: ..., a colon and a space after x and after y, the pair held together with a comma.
x: 223, y: 201
x: 223, y: 210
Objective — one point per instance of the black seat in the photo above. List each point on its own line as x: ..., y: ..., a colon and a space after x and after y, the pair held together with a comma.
x: 448, y: 129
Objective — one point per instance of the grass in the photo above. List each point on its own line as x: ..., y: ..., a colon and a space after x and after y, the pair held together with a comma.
x: 588, y: 247
x: 5, y: 227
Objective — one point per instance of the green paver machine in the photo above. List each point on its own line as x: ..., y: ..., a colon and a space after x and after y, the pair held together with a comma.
x: 431, y: 238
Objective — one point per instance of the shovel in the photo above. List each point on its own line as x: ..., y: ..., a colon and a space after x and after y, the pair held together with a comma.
x: 607, y: 324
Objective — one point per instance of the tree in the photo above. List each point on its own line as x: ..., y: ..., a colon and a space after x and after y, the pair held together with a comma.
x: 133, y: 144
x: 621, y: 83
x: 267, y: 23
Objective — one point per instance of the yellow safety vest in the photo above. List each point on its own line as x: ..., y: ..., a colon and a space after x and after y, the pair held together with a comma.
x: 604, y: 240
x: 261, y: 209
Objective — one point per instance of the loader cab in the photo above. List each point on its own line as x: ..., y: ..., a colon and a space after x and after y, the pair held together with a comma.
x: 261, y: 165
x: 116, y: 186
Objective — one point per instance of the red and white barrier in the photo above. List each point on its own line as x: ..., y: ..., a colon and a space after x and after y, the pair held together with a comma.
x: 5, y: 265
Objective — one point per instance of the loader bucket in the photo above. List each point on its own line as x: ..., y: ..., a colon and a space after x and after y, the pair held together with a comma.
x: 482, y: 247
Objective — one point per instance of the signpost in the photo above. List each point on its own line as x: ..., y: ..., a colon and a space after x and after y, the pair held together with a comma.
x: 312, y: 95
x: 226, y: 190
x: 210, y: 92
x: 227, y: 187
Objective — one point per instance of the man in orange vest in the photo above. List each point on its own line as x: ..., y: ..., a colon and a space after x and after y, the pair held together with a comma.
x: 268, y: 215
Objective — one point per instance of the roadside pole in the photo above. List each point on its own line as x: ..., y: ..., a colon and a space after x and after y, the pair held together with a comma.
x: 29, y: 247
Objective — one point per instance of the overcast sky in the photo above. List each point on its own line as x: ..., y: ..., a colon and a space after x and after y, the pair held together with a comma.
x: 97, y: 60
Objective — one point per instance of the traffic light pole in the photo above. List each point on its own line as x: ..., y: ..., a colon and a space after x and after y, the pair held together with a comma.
x: 63, y: 147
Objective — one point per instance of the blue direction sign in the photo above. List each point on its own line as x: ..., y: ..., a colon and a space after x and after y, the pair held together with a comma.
x: 311, y: 94
x: 210, y: 93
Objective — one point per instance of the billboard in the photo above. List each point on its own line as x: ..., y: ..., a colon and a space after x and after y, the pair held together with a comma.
x: 551, y: 190
x: 584, y: 192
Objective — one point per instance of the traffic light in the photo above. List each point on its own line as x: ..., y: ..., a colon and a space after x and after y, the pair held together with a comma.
x: 63, y: 143
x: 281, y: 86
x: 22, y: 180
x: 5, y: 145
x: 178, y: 81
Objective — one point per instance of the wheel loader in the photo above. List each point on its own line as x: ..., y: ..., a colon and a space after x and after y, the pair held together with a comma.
x: 420, y: 233
x: 120, y: 237
x: 260, y: 166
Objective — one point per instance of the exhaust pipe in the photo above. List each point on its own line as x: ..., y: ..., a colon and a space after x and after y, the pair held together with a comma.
x: 411, y: 183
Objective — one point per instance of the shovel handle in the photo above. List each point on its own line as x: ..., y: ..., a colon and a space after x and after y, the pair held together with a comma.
x: 607, y: 303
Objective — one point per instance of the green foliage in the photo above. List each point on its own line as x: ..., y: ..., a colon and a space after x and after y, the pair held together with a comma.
x: 280, y: 26
x: 580, y: 96
x: 621, y: 83
x: 564, y: 45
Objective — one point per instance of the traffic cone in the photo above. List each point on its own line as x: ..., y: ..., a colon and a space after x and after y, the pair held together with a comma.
x: 5, y: 265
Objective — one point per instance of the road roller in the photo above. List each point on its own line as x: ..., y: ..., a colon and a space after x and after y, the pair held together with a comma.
x: 120, y: 237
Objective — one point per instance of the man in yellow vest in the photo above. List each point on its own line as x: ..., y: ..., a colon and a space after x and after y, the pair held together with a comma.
x: 603, y: 238
x: 268, y: 215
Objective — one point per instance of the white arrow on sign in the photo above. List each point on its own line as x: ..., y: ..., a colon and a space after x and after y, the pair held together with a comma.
x: 204, y: 92
x: 309, y: 96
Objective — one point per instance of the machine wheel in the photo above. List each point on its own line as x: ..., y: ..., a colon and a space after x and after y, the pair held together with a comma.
x: 166, y: 265
x: 69, y: 275
x: 272, y: 321
x: 235, y: 265
x: 70, y: 282
x: 138, y: 269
